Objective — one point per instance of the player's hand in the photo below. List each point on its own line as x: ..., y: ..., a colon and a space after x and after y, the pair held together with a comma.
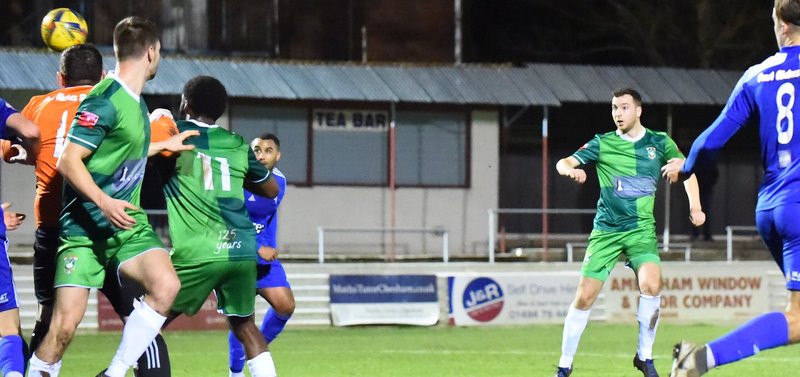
x: 12, y: 219
x: 175, y: 143
x: 268, y: 253
x: 577, y: 175
x: 673, y: 170
x: 21, y: 154
x: 697, y: 217
x: 114, y: 211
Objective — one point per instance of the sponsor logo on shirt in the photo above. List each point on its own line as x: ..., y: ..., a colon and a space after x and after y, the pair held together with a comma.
x: 87, y: 119
x: 252, y: 198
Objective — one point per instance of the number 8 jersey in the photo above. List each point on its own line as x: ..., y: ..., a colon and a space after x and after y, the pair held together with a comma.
x: 208, y: 220
x: 766, y: 92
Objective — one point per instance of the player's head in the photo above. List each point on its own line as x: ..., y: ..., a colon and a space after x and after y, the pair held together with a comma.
x: 786, y: 18
x: 267, y: 149
x: 80, y: 65
x: 136, y: 38
x: 204, y: 97
x: 626, y: 108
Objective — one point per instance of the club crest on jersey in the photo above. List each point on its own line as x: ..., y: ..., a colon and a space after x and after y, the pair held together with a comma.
x: 87, y: 119
x: 69, y: 264
x: 651, y: 153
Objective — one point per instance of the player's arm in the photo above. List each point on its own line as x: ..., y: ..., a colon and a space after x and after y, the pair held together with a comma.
x: 568, y: 167
x: 74, y: 171
x: 267, y: 187
x: 269, y: 252
x: 696, y: 214
x: 173, y: 144
x: 28, y: 134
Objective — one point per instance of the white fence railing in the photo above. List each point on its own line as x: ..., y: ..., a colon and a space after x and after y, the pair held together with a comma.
x: 729, y: 237
x: 493, y: 212
x: 321, y: 231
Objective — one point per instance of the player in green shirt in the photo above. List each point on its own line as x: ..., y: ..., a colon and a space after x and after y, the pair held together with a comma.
x: 213, y: 239
x: 102, y: 227
x: 628, y: 162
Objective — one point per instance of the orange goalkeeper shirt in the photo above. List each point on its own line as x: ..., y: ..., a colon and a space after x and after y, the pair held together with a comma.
x: 53, y: 113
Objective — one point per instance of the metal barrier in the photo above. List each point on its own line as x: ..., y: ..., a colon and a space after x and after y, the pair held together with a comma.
x: 687, y: 249
x: 533, y: 211
x: 436, y: 232
x: 729, y: 237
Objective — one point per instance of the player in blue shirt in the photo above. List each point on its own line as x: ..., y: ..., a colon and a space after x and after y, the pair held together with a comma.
x: 272, y: 284
x: 767, y: 92
x: 12, y: 355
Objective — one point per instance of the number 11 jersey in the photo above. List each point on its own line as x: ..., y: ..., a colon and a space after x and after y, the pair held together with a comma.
x: 208, y: 220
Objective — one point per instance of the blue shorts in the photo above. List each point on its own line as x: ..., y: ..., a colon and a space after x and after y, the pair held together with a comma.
x: 780, y: 229
x: 8, y: 295
x: 271, y: 275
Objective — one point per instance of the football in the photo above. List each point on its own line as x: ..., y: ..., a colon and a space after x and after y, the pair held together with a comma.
x: 62, y: 28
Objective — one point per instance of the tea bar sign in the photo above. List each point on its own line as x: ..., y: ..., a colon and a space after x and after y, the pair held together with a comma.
x: 350, y: 120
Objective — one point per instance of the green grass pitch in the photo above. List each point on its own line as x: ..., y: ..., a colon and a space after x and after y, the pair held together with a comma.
x: 605, y: 350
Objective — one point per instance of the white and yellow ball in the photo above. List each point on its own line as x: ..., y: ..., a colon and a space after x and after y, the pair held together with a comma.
x: 62, y: 28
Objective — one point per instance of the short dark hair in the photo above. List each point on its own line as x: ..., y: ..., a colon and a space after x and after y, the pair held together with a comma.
x: 271, y: 136
x: 206, y: 96
x: 133, y: 36
x: 788, y: 11
x: 637, y: 98
x: 81, y: 65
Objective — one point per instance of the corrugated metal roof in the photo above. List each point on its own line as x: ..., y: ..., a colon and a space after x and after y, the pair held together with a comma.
x: 537, y: 84
x: 402, y: 84
x: 560, y: 82
x: 531, y: 86
x: 683, y: 83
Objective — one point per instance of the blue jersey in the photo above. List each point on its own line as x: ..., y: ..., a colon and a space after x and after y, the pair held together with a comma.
x: 767, y: 92
x: 264, y: 212
x: 6, y: 110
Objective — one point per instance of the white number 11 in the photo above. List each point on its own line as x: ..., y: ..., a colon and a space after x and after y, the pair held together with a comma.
x: 224, y: 169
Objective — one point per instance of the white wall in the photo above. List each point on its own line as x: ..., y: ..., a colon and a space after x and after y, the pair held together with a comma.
x: 462, y: 212
x: 18, y: 187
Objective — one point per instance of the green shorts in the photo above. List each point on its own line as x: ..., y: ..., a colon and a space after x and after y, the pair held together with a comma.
x: 605, y: 247
x: 83, y: 262
x: 234, y: 283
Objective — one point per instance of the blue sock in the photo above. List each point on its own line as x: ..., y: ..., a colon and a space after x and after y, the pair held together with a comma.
x: 237, y: 356
x: 760, y: 333
x: 12, y: 357
x: 273, y: 324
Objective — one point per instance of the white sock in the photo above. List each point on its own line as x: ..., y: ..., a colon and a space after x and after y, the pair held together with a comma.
x: 237, y: 374
x: 262, y: 365
x: 710, y: 358
x: 648, y: 324
x: 574, y: 325
x: 14, y: 374
x: 141, y: 328
x: 36, y: 366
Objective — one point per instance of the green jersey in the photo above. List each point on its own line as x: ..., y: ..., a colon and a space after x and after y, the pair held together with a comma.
x: 112, y: 122
x: 628, y: 172
x: 205, y: 202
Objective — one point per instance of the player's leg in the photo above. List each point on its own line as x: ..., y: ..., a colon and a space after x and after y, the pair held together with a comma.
x: 236, y: 356
x: 642, y: 251
x: 142, y: 258
x: 280, y: 297
x: 601, y: 255
x: 45, y: 247
x: 12, y: 354
x: 236, y: 302
x: 123, y: 293
x: 70, y: 306
x: 77, y: 270
x: 781, y: 234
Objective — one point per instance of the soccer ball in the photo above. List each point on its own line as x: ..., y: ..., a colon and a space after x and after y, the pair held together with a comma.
x: 62, y: 28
